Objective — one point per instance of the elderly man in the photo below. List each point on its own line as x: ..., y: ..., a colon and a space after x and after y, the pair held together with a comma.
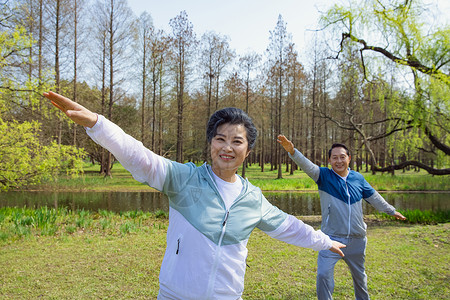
x: 341, y: 191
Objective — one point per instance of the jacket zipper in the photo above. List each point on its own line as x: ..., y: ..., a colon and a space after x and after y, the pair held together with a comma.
x: 349, y: 210
x: 210, y: 289
x: 328, y: 215
x: 216, y: 259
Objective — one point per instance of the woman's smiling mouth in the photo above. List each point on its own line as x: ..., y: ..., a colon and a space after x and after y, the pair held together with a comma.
x: 226, y: 157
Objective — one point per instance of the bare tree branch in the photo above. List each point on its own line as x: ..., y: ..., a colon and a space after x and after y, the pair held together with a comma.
x: 441, y: 146
x: 405, y: 164
x: 355, y: 126
x: 426, y: 150
x: 16, y: 90
x: 410, y: 60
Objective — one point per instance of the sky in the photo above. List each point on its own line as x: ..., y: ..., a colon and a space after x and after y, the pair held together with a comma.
x: 247, y: 23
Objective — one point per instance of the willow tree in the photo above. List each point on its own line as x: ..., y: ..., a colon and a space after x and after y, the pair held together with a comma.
x: 403, y: 32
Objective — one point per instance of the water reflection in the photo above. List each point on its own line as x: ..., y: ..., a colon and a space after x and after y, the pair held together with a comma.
x: 293, y: 203
x: 296, y: 203
x: 422, y: 201
x: 94, y: 201
x: 309, y: 203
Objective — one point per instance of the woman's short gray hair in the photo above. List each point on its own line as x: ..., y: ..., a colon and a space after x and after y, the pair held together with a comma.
x: 232, y: 115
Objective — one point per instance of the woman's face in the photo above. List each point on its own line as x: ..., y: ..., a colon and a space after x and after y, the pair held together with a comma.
x: 229, y: 148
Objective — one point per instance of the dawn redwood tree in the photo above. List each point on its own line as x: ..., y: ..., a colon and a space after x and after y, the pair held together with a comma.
x: 78, y: 32
x: 184, y: 42
x: 58, y: 14
x: 279, y: 43
x: 295, y: 78
x: 159, y: 48
x: 114, y: 22
x: 223, y: 56
x: 209, y: 44
x: 145, y: 31
x: 160, y: 57
x: 247, y: 64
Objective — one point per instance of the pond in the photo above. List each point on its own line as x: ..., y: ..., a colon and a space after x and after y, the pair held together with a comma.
x: 296, y: 203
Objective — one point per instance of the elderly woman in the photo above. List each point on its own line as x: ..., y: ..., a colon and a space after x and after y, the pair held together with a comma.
x: 212, y: 209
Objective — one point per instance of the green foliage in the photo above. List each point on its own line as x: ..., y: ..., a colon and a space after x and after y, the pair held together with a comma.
x: 11, y: 42
x: 400, y: 32
x: 84, y: 219
x: 127, y: 227
x: 14, y: 54
x: 25, y: 161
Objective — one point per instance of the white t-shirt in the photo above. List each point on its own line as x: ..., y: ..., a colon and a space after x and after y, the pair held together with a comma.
x: 228, y: 190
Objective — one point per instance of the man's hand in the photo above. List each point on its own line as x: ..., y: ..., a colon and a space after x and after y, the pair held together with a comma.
x: 77, y: 113
x: 336, y: 248
x: 399, y: 216
x: 287, y: 144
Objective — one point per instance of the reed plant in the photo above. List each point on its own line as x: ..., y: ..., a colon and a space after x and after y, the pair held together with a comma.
x: 42, y: 220
x: 416, y: 216
x: 17, y: 222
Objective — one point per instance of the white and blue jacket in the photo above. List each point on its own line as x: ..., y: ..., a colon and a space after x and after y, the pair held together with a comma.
x: 340, y: 199
x: 206, y: 251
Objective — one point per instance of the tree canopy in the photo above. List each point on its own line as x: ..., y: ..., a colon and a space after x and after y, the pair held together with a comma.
x: 400, y: 32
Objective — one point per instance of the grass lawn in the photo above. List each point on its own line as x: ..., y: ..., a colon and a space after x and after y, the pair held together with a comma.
x: 118, y: 257
x: 122, y: 180
x: 402, y: 262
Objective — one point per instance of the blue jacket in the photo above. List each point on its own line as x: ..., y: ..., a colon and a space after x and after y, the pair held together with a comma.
x: 340, y: 200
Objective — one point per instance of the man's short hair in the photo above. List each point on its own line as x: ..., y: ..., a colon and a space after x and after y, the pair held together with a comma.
x: 337, y: 145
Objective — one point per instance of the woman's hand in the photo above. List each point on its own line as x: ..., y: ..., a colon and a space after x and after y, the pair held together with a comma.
x: 77, y: 113
x: 336, y: 248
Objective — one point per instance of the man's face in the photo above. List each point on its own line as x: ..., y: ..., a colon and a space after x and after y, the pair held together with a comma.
x: 339, y: 161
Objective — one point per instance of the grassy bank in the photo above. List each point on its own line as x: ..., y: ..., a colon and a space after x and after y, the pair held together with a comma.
x: 58, y: 254
x: 121, y: 180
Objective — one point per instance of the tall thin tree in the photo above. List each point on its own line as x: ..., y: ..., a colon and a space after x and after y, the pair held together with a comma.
x: 184, y: 40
